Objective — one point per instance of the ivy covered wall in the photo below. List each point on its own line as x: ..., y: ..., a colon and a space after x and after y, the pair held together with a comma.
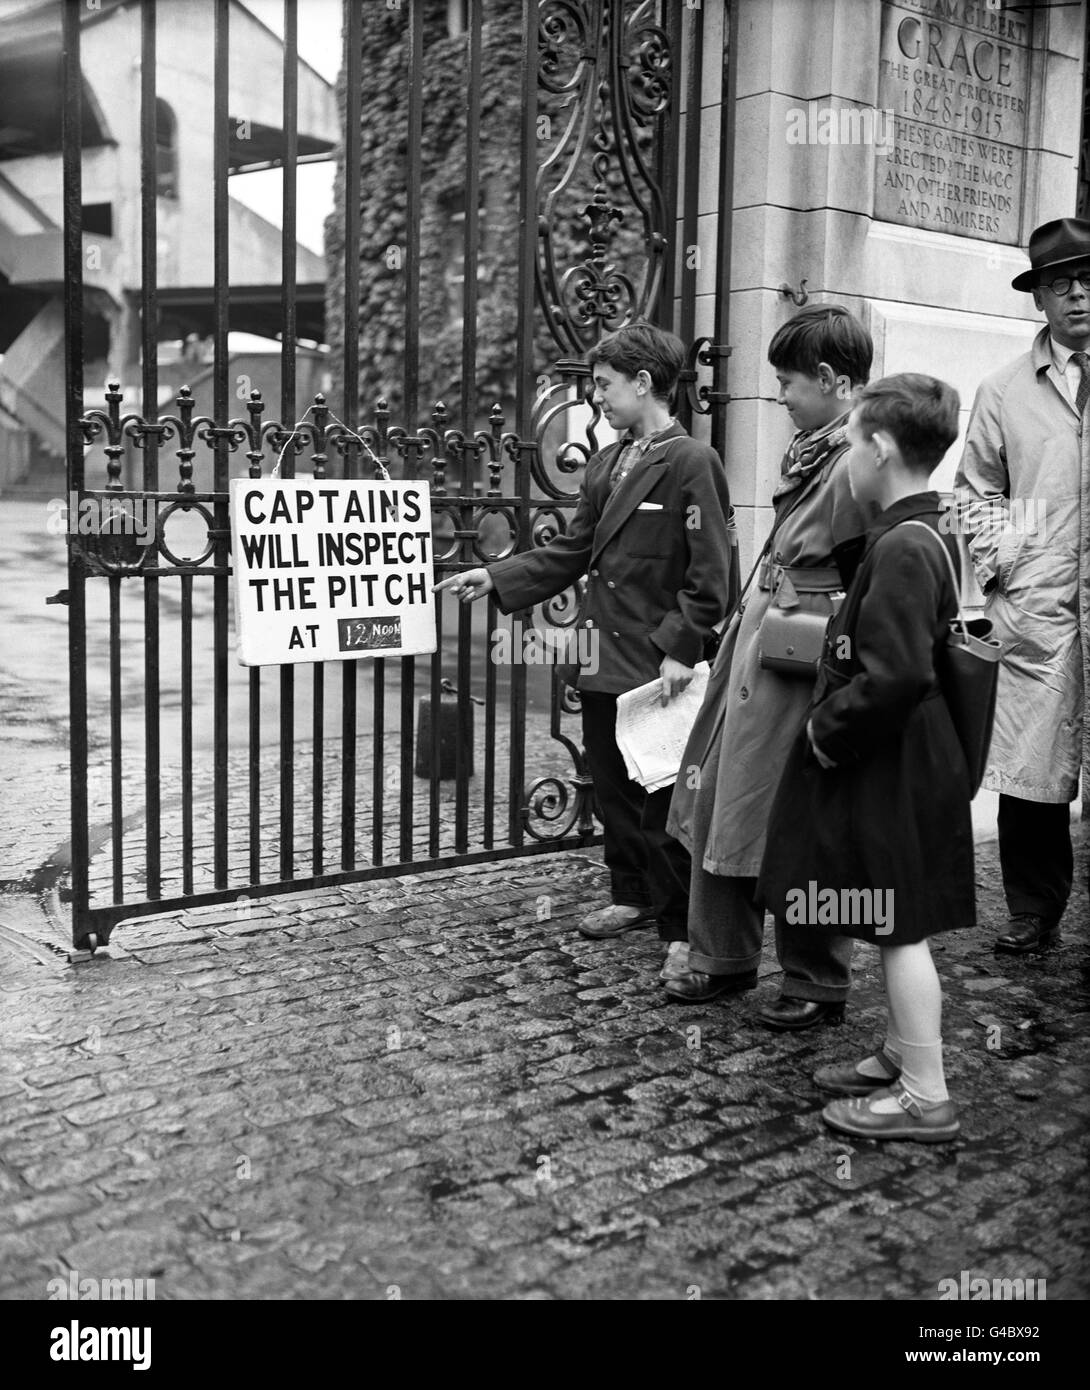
x: 439, y: 166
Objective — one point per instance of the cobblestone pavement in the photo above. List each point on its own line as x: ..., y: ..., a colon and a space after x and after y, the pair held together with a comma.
x: 435, y: 1083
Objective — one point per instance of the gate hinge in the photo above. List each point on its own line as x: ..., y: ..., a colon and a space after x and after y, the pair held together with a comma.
x: 61, y: 596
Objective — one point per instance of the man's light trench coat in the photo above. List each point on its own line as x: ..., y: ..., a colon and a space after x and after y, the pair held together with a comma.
x: 1023, y: 490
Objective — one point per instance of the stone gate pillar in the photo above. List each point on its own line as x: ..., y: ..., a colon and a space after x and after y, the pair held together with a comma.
x: 894, y: 155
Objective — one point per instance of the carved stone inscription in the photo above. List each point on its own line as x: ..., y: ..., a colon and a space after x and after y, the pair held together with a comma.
x: 955, y: 75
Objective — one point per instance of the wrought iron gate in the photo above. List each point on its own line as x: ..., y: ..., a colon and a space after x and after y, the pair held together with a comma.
x: 187, y: 803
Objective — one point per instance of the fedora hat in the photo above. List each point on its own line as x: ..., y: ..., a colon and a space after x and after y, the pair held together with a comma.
x: 1054, y: 244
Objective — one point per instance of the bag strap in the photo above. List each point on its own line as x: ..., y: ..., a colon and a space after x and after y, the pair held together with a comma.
x: 953, y: 574
x: 807, y: 487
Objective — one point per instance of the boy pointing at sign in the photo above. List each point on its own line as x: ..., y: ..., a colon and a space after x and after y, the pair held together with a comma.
x: 650, y: 532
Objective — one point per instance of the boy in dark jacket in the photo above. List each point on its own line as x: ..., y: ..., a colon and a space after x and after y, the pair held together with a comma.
x: 870, y: 834
x: 651, y: 533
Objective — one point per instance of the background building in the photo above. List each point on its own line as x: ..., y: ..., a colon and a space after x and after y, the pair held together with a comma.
x: 31, y: 214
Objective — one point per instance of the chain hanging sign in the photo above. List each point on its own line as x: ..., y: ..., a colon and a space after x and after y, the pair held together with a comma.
x: 331, y: 570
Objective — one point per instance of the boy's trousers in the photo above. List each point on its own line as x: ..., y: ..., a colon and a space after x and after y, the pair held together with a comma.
x: 726, y: 934
x: 647, y: 867
x: 726, y: 929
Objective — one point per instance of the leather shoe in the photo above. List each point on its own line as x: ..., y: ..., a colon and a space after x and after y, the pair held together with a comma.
x: 788, y: 1015
x: 1027, y: 932
x: 615, y: 919
x: 932, y: 1124
x: 697, y: 988
x: 845, y: 1079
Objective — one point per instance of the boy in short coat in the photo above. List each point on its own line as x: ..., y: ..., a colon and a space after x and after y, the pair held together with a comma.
x: 651, y: 532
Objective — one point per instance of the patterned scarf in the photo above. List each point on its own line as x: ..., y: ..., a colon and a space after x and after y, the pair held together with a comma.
x: 808, y: 451
x: 632, y: 451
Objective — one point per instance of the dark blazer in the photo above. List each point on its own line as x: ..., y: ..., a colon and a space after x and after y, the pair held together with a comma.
x: 657, y: 555
x: 893, y: 815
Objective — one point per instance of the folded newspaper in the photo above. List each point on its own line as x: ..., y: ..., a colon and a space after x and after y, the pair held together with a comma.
x: 651, y: 735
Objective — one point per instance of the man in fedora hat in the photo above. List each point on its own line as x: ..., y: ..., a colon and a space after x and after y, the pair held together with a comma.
x: 1024, y: 498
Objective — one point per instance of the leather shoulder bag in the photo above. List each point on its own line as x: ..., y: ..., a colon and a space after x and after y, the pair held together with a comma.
x: 969, y: 675
x: 792, y: 640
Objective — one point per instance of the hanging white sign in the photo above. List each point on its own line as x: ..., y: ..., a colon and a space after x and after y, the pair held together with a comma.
x: 330, y: 570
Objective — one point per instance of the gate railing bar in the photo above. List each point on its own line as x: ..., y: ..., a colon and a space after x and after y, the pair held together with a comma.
x: 719, y: 396
x: 72, y: 146
x: 411, y: 259
x: 378, y: 766
x: 471, y: 248
x: 468, y: 456
x: 353, y: 69
x: 411, y: 377
x: 221, y: 410
x: 149, y: 319
x: 668, y: 164
x: 405, y: 830
x: 690, y: 227
x: 524, y: 388
x: 115, y: 737
x: 463, y: 748
x: 187, y: 732
x: 490, y: 733
x: 317, y: 755
x: 254, y: 771
x: 288, y: 408
x: 253, y: 736
x: 287, y: 762
x: 435, y: 686
x: 288, y: 228
x: 435, y: 689
x: 435, y: 732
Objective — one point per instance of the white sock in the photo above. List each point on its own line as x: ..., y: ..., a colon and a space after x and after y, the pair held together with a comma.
x: 922, y: 1073
x: 922, y: 1076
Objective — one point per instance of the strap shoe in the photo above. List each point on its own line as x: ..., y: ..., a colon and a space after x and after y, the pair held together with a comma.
x: 787, y: 1015
x: 927, y: 1124
x: 845, y: 1079
x: 1027, y: 932
x: 696, y: 987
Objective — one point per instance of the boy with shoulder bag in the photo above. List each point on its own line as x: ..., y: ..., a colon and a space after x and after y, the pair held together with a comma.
x: 761, y: 685
x: 870, y: 835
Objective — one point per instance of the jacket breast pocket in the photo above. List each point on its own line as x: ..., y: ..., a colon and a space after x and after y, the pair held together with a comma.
x: 648, y: 535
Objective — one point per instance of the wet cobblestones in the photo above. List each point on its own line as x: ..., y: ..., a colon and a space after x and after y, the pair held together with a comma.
x: 423, y: 1083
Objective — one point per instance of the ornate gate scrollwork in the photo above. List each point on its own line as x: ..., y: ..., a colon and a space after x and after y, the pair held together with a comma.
x: 605, y: 80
